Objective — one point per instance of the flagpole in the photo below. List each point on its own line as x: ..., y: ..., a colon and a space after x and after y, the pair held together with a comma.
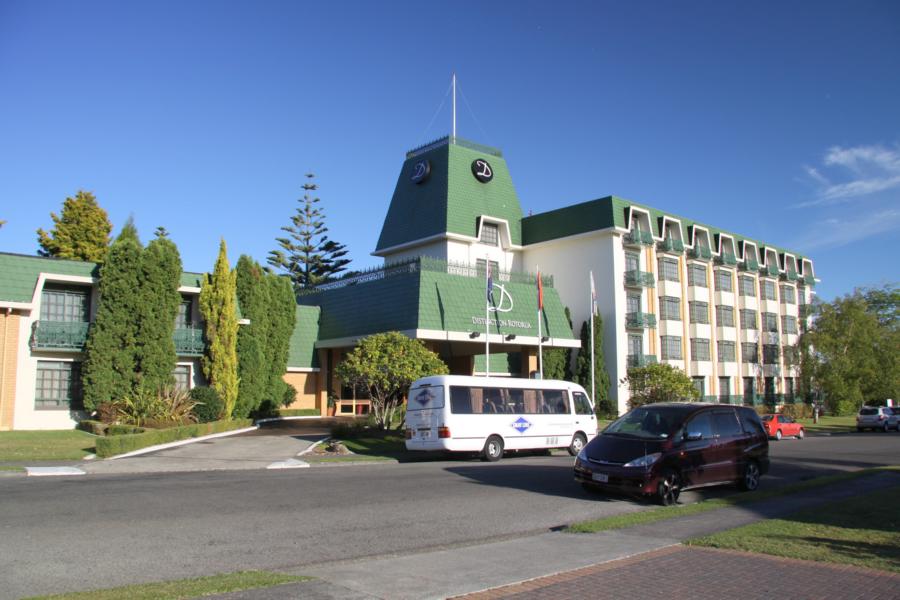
x: 593, y: 389
x: 540, y: 335
x: 487, y: 315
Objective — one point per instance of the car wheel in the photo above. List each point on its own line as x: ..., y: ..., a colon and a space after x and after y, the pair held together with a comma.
x: 750, y: 480
x: 578, y: 442
x: 800, y: 434
x: 669, y: 488
x: 493, y: 449
x: 778, y: 435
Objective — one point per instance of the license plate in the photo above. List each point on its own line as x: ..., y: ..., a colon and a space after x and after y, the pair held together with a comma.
x: 601, y: 477
x: 424, y: 433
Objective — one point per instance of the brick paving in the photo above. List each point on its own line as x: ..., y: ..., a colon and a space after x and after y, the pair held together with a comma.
x: 705, y: 574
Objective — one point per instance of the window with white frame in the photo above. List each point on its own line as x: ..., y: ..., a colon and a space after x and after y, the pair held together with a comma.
x: 699, y: 349
x: 789, y: 324
x: 723, y: 281
x: 182, y: 375
x: 699, y: 312
x: 725, y: 351
x: 697, y: 275
x: 670, y: 308
x: 58, y: 385
x: 750, y: 353
x: 65, y: 303
x: 490, y: 234
x: 770, y: 354
x: 770, y: 322
x: 184, y: 319
x: 748, y: 319
x: 670, y: 347
x: 633, y: 303
x: 668, y: 269
x: 747, y: 286
x: 632, y: 261
x: 768, y: 289
x: 788, y: 294
x: 724, y: 316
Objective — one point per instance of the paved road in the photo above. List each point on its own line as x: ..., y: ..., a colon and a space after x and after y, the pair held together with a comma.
x: 104, y: 530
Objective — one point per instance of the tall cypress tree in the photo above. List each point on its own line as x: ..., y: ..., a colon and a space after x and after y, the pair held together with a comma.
x: 217, y: 305
x: 111, y: 363
x: 252, y: 340
x: 81, y: 232
x: 160, y: 278
x: 558, y: 361
x: 583, y: 366
x: 306, y: 255
x: 283, y: 311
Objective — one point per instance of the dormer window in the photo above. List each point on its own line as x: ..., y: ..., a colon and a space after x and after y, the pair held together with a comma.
x: 490, y: 234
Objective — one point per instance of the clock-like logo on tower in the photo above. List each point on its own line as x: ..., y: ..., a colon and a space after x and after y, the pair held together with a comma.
x: 482, y: 170
x: 421, y: 171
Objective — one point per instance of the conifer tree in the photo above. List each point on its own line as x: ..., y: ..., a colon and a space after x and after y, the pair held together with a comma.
x: 306, y: 254
x: 160, y: 277
x: 217, y: 305
x: 283, y: 310
x: 111, y: 364
x: 583, y: 367
x: 81, y: 232
x: 558, y: 361
x: 252, y: 339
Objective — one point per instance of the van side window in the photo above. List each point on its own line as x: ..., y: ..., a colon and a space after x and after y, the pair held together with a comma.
x: 727, y: 424
x: 582, y: 405
x: 555, y: 403
x: 461, y: 401
x: 750, y: 422
x: 701, y: 424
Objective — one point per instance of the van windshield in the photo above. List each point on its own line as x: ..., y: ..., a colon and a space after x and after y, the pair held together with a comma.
x: 425, y: 397
x: 658, y: 422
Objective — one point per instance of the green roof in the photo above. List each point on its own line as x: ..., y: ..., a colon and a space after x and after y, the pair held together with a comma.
x: 302, y: 352
x: 502, y: 363
x: 19, y: 273
x: 450, y: 200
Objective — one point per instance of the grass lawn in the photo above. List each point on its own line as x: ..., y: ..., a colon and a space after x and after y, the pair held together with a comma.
x: 184, y: 588
x: 862, y: 531
x: 682, y: 510
x: 378, y: 444
x: 45, y: 445
x: 830, y: 424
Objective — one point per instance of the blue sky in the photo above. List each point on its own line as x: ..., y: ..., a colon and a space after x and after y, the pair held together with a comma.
x: 775, y: 120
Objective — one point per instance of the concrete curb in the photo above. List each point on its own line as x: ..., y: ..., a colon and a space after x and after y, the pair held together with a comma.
x: 184, y: 442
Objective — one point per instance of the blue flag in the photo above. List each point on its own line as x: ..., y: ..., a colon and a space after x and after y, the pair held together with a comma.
x: 490, y: 284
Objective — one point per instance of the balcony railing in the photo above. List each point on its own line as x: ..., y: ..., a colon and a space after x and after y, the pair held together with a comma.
x: 639, y: 279
x: 672, y: 245
x: 791, y: 275
x: 729, y: 260
x: 189, y: 341
x: 809, y: 280
x: 636, y: 237
x: 701, y: 252
x: 59, y: 335
x: 750, y: 264
x: 640, y: 320
x: 641, y: 360
x: 770, y: 270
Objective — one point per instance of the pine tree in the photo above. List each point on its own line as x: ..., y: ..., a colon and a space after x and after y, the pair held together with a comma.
x: 583, y: 367
x: 160, y: 277
x: 111, y: 364
x: 81, y: 232
x: 217, y: 305
x: 307, y: 255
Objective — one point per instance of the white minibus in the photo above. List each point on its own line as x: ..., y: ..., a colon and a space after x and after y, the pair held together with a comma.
x: 458, y: 413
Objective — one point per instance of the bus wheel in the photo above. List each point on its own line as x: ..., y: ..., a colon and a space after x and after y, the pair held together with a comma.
x: 493, y: 449
x: 578, y: 442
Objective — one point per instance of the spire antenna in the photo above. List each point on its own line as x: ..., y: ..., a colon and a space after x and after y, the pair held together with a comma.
x: 454, y: 105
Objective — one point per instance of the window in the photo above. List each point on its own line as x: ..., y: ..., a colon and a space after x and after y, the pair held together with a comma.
x: 58, y: 385
x: 668, y: 269
x: 749, y: 389
x: 699, y: 312
x: 582, y: 405
x: 748, y: 319
x: 699, y: 349
x: 747, y: 286
x: 670, y: 347
x: 725, y: 351
x: 723, y: 281
x: 768, y: 289
x: 495, y: 268
x: 702, y: 423
x: 726, y: 422
x: 68, y: 304
x: 633, y: 303
x: 769, y: 383
x: 700, y: 385
x: 770, y: 322
x: 770, y: 354
x: 490, y: 234
x: 788, y: 294
x: 632, y: 262
x: 788, y: 324
x: 790, y: 356
x: 697, y: 275
x: 487, y: 400
x: 724, y: 316
x: 789, y: 388
x: 670, y: 308
x: 182, y: 375
x: 183, y: 320
x: 724, y: 387
x: 635, y: 345
x: 750, y: 353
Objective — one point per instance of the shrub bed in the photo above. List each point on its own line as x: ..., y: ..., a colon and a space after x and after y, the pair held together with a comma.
x: 91, y: 426
x: 298, y: 412
x: 124, y: 430
x: 120, y: 444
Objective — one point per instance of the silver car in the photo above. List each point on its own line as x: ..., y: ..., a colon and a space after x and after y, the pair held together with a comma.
x: 880, y: 418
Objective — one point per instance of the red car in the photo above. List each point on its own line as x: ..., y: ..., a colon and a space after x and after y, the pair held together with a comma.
x: 779, y: 426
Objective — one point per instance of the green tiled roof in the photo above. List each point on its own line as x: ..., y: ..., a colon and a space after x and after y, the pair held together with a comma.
x: 502, y: 363
x: 302, y: 352
x: 19, y: 273
x: 421, y: 295
x: 451, y: 199
x: 191, y: 279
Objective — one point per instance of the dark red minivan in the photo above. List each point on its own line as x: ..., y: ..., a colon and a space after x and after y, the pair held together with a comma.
x: 660, y: 449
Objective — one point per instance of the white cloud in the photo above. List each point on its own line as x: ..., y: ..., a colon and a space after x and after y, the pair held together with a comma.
x: 833, y: 232
x: 873, y: 168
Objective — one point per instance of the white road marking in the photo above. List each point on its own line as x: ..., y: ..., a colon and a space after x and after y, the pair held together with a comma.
x: 52, y: 471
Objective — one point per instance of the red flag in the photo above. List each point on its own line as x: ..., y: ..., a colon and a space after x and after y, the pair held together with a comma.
x: 540, y: 285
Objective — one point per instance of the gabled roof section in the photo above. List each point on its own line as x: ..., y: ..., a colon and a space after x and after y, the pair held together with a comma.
x: 19, y: 273
x: 450, y: 199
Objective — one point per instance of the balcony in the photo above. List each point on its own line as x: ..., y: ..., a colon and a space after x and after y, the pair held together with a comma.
x: 59, y: 335
x: 636, y: 237
x: 189, y: 341
x: 790, y: 275
x: 639, y: 279
x: 750, y: 264
x: 729, y: 260
x: 701, y: 252
x: 671, y: 245
x: 770, y: 270
x: 809, y: 280
x: 640, y: 320
x: 641, y: 360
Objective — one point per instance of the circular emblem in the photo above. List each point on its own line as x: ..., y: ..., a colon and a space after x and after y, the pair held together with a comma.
x: 482, y: 170
x: 421, y: 171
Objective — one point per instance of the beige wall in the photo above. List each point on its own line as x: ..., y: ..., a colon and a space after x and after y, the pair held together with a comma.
x: 306, y: 386
x: 9, y: 344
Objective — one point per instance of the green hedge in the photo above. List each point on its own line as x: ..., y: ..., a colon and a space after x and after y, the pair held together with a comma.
x: 120, y: 444
x: 124, y: 430
x: 95, y: 427
x: 298, y: 412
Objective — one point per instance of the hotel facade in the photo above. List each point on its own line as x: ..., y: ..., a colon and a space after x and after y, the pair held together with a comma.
x: 723, y: 307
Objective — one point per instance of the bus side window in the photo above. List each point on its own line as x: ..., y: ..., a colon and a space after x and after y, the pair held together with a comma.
x: 532, y: 401
x: 460, y: 400
x: 493, y: 399
x: 555, y: 401
x: 516, y: 400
